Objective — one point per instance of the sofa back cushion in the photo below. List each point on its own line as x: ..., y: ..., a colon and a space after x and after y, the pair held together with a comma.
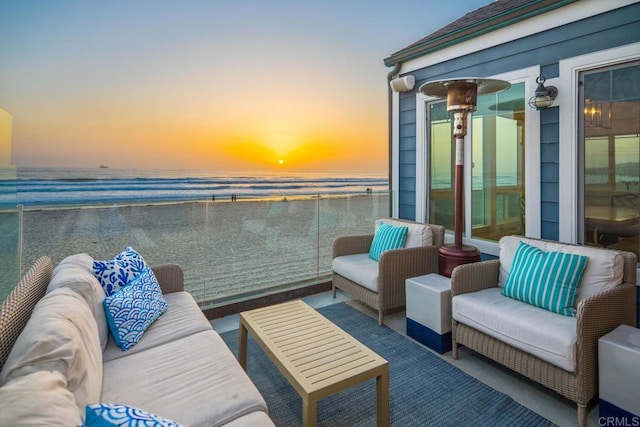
x: 604, y: 269
x: 38, y: 399
x: 61, y: 336
x: 76, y: 272
x: 417, y: 234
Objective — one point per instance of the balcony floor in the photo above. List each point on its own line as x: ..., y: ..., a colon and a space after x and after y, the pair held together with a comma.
x: 553, y: 407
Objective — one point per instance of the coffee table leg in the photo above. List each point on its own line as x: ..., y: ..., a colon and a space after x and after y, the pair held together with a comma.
x: 382, y: 395
x: 309, y: 412
x: 242, y: 347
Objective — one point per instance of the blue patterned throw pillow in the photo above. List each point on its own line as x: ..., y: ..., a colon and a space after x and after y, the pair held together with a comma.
x: 133, y: 308
x: 116, y: 273
x: 109, y: 415
x: 547, y: 280
x: 387, y: 237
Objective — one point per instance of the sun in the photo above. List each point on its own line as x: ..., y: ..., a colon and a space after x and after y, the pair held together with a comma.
x: 281, y: 162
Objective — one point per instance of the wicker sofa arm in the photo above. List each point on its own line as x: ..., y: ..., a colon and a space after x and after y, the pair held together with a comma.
x: 601, y: 313
x: 596, y: 316
x: 474, y: 277
x: 351, y: 245
x: 170, y: 277
x: 397, y: 265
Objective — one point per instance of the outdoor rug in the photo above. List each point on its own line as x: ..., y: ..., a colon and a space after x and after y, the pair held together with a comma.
x: 424, y: 390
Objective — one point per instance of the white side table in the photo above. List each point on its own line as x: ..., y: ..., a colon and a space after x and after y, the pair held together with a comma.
x: 429, y: 311
x: 619, y: 375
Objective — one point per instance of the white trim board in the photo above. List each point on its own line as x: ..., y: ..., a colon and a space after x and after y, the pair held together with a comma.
x: 395, y: 152
x: 549, y: 20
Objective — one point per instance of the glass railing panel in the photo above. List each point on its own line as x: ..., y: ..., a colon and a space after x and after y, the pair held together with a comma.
x: 228, y: 250
x: 347, y: 215
x: 10, y: 273
x: 10, y: 213
x: 254, y: 246
x: 162, y: 233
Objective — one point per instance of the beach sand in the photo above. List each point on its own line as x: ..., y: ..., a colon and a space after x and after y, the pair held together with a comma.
x: 224, y: 248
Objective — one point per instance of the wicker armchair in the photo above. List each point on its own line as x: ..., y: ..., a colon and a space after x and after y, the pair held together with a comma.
x: 596, y: 315
x: 392, y: 269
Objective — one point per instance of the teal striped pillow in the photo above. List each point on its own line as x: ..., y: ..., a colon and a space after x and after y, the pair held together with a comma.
x: 547, y: 280
x: 387, y: 237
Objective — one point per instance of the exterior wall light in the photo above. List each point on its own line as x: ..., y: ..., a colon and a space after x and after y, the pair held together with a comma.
x: 544, y: 96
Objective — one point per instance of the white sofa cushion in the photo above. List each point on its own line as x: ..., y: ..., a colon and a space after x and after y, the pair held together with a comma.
x: 417, y: 234
x: 183, y: 318
x: 38, y: 399
x: 253, y: 419
x: 358, y: 268
x: 76, y: 272
x: 195, y: 381
x: 549, y: 336
x: 604, y: 268
x: 61, y: 336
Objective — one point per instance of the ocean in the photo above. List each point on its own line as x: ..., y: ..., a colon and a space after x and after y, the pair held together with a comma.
x: 36, y: 187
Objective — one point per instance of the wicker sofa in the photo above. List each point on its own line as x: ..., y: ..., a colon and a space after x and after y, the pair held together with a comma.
x: 57, y: 356
x: 559, y: 352
x: 381, y: 285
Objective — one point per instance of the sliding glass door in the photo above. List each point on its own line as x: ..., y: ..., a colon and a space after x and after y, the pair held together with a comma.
x: 610, y: 156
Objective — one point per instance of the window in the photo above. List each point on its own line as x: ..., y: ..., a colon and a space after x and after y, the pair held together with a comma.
x: 610, y: 156
x: 497, y: 165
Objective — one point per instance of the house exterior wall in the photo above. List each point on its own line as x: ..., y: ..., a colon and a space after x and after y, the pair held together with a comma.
x: 610, y: 29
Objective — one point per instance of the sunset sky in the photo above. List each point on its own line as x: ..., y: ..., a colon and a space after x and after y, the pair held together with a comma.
x: 251, y: 85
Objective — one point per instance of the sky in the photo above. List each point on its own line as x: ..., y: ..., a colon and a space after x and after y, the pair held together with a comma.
x: 248, y: 85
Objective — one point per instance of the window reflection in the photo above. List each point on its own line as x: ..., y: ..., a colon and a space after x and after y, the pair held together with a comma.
x: 611, y: 127
x: 441, y: 195
x: 497, y: 184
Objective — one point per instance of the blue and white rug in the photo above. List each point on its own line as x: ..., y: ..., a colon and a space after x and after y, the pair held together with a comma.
x: 424, y: 390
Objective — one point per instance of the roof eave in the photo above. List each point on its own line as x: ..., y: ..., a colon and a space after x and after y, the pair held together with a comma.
x: 482, y: 27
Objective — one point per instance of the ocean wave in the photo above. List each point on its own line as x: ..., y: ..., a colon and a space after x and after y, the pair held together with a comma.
x: 47, y: 187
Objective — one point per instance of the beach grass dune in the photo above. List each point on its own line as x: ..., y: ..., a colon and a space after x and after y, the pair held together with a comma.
x: 225, y: 248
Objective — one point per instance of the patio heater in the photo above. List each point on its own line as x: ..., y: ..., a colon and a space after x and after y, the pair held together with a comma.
x: 461, y: 94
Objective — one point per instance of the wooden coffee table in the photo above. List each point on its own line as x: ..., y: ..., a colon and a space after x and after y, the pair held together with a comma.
x: 315, y: 356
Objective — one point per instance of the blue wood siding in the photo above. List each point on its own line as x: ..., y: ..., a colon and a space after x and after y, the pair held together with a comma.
x: 549, y: 173
x: 407, y: 157
x: 604, y: 31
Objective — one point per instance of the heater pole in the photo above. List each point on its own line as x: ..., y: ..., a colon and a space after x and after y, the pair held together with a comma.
x: 459, y: 191
x: 459, y: 131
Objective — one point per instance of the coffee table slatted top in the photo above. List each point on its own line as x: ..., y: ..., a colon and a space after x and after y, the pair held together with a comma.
x: 317, y: 357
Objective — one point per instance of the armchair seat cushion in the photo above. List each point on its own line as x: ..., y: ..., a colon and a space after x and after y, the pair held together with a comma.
x: 358, y: 268
x: 549, y: 336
